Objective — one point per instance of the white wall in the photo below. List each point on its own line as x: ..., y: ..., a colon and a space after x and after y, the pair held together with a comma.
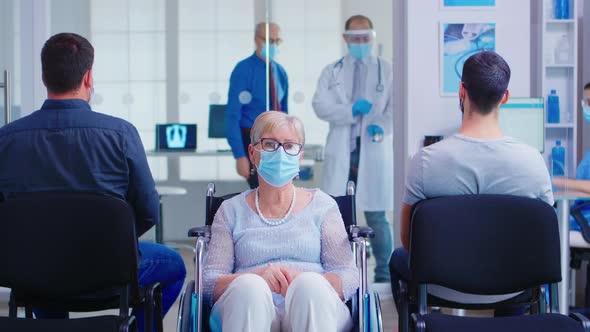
x: 584, y: 74
x: 513, y: 33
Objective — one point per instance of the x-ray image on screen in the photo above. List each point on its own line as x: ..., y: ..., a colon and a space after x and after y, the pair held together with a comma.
x: 176, y: 136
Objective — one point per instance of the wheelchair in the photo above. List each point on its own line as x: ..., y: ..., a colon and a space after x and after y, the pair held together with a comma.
x: 193, y: 315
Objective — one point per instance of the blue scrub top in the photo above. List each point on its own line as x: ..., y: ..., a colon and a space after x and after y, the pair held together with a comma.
x: 582, y: 173
x: 247, y: 98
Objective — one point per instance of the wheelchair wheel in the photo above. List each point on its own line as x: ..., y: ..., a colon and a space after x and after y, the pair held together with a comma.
x: 184, y: 322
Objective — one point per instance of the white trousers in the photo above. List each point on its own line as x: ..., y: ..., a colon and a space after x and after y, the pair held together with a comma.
x: 311, y: 304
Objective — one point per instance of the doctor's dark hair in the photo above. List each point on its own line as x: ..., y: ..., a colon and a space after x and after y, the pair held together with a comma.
x: 587, y: 86
x: 65, y: 58
x: 355, y: 18
x: 485, y: 77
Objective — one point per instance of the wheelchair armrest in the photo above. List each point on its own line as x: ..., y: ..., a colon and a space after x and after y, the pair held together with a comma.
x: 356, y: 231
x: 576, y: 212
x: 583, y: 320
x: 200, y: 231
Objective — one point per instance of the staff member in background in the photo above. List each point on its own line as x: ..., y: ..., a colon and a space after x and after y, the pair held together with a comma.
x: 247, y: 96
x: 354, y: 95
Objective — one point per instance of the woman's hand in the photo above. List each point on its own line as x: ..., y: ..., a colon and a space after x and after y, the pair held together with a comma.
x: 290, y: 274
x: 275, y: 278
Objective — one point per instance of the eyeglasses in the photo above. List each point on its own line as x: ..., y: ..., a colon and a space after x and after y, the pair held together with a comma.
x: 270, y: 145
x: 585, y: 102
x: 276, y: 41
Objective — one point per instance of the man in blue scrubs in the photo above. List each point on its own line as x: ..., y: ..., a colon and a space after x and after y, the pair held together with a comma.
x: 582, y: 181
x: 247, y: 96
x: 65, y: 146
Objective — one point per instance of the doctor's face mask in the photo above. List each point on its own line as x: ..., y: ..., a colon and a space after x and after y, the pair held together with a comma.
x: 360, y: 42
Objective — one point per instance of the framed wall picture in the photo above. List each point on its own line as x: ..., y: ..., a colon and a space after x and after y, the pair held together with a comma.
x: 458, y: 41
x: 471, y: 4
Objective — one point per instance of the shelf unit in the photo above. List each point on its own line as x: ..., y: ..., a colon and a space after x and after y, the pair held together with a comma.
x: 562, y: 77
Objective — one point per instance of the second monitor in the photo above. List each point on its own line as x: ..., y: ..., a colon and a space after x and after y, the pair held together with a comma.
x: 524, y: 120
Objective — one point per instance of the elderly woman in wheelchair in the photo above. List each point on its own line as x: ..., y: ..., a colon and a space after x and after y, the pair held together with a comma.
x: 279, y: 257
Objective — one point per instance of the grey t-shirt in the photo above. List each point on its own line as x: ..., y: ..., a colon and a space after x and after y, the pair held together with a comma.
x: 461, y: 165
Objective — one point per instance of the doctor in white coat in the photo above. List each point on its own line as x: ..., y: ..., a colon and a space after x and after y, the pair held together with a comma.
x: 354, y: 94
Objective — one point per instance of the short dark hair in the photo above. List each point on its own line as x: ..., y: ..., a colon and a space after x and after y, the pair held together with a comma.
x: 485, y: 77
x: 65, y: 58
x: 587, y: 86
x: 357, y: 17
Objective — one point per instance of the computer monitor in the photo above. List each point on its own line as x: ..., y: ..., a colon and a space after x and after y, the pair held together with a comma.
x: 176, y: 137
x: 216, y: 121
x: 524, y: 120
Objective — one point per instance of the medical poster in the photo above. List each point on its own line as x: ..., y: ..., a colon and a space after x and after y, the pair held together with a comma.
x: 469, y: 3
x: 458, y: 42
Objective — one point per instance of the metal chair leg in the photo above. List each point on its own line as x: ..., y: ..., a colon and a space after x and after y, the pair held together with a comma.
x: 158, y: 312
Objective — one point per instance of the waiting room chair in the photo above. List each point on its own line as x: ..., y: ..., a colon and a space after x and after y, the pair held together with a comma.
x: 482, y: 244
x: 72, y: 252
x: 194, y: 316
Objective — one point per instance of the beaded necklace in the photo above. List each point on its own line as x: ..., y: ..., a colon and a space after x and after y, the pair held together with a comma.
x: 279, y: 221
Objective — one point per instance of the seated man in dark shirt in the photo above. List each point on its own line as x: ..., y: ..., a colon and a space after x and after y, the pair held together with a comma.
x: 66, y: 146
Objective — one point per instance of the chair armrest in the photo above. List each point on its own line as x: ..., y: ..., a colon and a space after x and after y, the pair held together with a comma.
x: 576, y: 212
x: 200, y: 231
x: 355, y: 231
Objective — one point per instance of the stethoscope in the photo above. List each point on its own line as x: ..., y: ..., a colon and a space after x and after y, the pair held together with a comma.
x: 340, y: 64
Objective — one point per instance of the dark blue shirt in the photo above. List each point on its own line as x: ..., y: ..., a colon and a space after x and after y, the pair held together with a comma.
x: 65, y: 146
x: 248, y: 79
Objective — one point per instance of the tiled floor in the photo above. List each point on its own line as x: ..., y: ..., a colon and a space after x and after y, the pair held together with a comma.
x: 389, y: 314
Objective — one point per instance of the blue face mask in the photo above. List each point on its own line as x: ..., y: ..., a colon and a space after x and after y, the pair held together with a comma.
x: 586, y: 112
x: 360, y: 51
x: 277, y: 168
x: 272, y: 51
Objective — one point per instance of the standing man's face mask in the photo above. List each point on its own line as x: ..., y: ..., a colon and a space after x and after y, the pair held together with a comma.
x: 586, y: 110
x: 360, y: 51
x: 277, y: 168
x: 271, y: 53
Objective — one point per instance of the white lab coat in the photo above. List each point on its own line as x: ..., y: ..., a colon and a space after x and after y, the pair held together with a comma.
x: 332, y: 103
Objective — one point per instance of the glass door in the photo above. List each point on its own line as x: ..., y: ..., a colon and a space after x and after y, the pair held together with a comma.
x: 9, y: 61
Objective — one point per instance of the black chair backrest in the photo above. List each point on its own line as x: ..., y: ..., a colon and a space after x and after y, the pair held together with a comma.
x: 55, y: 245
x: 346, y: 205
x: 484, y: 244
x: 213, y: 203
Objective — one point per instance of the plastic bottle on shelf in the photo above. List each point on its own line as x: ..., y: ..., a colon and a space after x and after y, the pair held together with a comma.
x: 562, y: 51
x: 562, y: 9
x: 550, y: 9
x: 553, y: 107
x: 558, y: 159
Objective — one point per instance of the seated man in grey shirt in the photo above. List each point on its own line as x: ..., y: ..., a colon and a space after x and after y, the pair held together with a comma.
x: 478, y: 159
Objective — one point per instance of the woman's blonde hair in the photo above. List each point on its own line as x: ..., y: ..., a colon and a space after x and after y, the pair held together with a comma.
x: 268, y: 121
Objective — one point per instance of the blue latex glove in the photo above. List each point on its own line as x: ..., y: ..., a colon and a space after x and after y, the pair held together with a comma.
x: 361, y: 107
x: 376, y: 132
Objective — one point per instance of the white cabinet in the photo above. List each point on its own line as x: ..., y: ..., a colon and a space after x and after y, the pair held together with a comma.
x: 559, y: 61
